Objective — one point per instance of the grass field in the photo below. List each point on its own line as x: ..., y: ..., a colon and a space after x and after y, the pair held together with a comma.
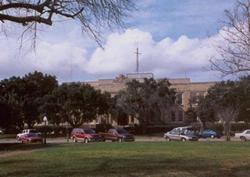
x: 189, y: 159
x: 4, y: 136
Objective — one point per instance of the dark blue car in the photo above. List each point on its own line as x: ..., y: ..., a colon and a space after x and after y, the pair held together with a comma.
x: 209, y: 134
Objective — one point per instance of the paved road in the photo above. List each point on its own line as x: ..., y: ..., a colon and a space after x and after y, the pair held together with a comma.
x: 138, y: 139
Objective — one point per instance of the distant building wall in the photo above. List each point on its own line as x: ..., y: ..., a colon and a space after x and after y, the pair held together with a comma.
x: 187, y: 92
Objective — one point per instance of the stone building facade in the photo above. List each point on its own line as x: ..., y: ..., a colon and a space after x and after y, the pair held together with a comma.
x: 188, y: 93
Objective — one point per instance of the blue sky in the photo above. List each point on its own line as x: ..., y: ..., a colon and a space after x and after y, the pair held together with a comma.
x: 174, y: 37
x: 173, y: 18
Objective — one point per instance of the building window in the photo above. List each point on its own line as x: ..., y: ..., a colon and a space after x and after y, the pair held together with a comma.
x: 179, y: 98
x: 180, y: 116
x: 195, y: 97
x: 173, y: 116
x: 132, y: 119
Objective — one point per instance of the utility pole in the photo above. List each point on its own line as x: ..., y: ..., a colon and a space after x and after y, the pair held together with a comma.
x: 137, y: 59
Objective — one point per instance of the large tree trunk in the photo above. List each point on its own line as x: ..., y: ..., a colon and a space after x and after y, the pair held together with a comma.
x: 227, y: 130
x: 202, y: 123
x: 227, y: 115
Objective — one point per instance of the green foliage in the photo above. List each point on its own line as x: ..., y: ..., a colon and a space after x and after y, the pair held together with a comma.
x: 226, y: 101
x: 22, y: 98
x: 37, y: 85
x: 51, y: 108
x: 243, y: 91
x: 77, y: 103
x: 233, y: 94
x: 149, y: 101
x: 11, y: 103
x: 191, y: 115
x: 26, y: 100
x: 205, y: 110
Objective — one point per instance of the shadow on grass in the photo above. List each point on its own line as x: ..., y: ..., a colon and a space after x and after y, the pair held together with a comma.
x: 19, y: 146
x: 86, y: 160
x: 147, y: 165
x: 6, y: 136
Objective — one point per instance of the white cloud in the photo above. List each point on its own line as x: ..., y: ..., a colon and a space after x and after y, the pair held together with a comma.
x: 53, y: 58
x: 166, y: 58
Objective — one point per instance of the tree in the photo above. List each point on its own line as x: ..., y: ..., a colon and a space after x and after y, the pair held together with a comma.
x: 11, y: 103
x: 51, y: 108
x: 92, y: 14
x: 223, y: 100
x: 190, y: 115
x: 36, y: 85
x: 79, y: 103
x: 149, y: 101
x: 234, y: 53
x: 23, y: 97
x: 205, y: 112
x: 242, y: 90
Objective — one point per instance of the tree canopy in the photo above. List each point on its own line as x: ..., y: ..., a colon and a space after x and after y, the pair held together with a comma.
x: 22, y: 97
x: 25, y: 100
x: 227, y: 101
x: 149, y: 101
x: 78, y: 103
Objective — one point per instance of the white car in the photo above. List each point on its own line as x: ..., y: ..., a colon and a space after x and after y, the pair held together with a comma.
x: 244, y: 136
x: 25, y: 132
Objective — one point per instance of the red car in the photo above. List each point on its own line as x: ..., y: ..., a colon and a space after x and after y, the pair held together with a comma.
x: 30, y: 138
x: 118, y: 134
x: 85, y: 135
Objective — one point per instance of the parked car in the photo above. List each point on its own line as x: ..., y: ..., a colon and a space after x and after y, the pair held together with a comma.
x: 27, y: 131
x: 181, y: 134
x: 208, y: 133
x: 118, y: 134
x: 85, y: 135
x: 30, y: 138
x: 244, y: 136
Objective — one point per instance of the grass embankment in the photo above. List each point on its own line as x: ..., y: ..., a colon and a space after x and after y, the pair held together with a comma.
x: 189, y: 159
x: 4, y: 136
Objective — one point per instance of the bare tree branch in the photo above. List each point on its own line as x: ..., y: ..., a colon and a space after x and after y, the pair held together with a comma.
x: 92, y: 14
x: 234, y: 54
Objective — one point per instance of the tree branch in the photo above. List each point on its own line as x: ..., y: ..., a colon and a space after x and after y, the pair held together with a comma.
x: 25, y: 20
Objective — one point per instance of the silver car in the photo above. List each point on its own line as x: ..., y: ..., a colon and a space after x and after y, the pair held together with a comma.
x: 244, y: 136
x: 181, y: 134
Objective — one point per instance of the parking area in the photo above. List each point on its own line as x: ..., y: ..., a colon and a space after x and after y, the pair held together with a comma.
x: 137, y: 139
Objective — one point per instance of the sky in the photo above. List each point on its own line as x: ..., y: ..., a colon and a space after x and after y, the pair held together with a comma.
x: 176, y: 39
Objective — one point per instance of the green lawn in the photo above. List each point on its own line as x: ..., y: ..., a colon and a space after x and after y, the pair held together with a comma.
x: 3, y: 136
x: 180, y: 159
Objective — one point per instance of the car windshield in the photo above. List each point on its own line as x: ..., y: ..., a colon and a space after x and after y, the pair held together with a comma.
x: 32, y: 135
x: 33, y: 131
x: 89, y: 131
x: 189, y: 132
x: 122, y: 131
x: 209, y: 131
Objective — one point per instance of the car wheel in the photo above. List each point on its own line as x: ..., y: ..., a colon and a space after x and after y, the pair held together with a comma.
x: 86, y: 140
x: 183, y: 139
x: 74, y: 140
x: 243, y: 138
x: 168, y: 139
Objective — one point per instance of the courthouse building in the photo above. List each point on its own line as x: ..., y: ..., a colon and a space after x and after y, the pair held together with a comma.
x: 188, y: 93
